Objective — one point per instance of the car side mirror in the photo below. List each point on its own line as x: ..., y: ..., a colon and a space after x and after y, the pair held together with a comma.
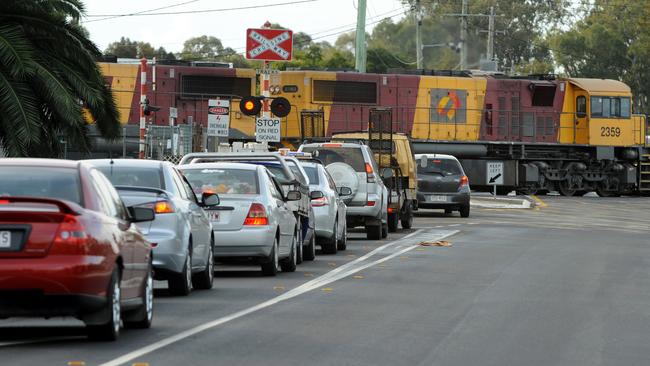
x: 345, y: 191
x: 387, y: 173
x: 141, y: 214
x: 316, y: 195
x: 210, y: 199
x: 293, y: 196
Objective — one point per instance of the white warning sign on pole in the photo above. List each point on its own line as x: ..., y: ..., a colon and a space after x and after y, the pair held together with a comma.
x: 267, y: 129
x: 218, y: 117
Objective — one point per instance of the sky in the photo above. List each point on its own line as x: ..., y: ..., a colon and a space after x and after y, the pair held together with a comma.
x: 324, y: 20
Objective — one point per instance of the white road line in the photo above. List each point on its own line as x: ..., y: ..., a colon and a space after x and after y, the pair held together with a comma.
x: 332, y: 276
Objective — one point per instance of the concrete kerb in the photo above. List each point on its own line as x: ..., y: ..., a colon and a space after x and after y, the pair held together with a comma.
x: 502, y: 202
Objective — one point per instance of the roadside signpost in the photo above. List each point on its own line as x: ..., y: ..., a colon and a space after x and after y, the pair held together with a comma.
x: 218, y: 117
x: 267, y: 129
x: 494, y: 174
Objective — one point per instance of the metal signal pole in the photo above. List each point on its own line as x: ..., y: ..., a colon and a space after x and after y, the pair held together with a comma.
x: 490, y: 42
x: 360, y: 45
x: 143, y: 98
x: 463, y: 36
x: 418, y: 34
x: 266, y: 81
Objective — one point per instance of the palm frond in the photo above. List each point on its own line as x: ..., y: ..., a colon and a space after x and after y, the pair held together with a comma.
x: 15, y: 49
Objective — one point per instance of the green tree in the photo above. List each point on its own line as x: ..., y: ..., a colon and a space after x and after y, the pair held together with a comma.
x: 126, y: 48
x: 47, y: 74
x: 202, y: 48
x: 612, y: 41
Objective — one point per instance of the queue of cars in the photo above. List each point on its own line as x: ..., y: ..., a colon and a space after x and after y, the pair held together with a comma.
x: 87, y: 238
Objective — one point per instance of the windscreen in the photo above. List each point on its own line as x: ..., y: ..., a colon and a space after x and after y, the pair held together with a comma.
x: 349, y: 155
x: 57, y: 183
x: 440, y: 166
x: 312, y: 174
x: 277, y: 171
x: 133, y: 176
x: 223, y: 181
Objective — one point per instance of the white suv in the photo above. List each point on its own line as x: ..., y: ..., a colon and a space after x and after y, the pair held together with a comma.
x: 353, y: 165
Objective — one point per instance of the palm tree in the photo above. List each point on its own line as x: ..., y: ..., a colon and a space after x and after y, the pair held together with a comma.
x: 48, y: 76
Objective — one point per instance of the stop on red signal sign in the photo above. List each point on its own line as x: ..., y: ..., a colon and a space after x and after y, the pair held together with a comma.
x: 269, y: 44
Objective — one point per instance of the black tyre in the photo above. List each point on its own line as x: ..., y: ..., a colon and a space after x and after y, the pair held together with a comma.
x: 384, y: 231
x: 407, y: 216
x: 204, y: 280
x: 329, y: 245
x: 343, y: 242
x: 110, y: 330
x: 309, y: 252
x: 464, y: 211
x: 393, y: 222
x: 180, y: 284
x: 142, y: 317
x: 272, y: 266
x: 301, y: 239
x: 290, y: 264
x: 373, y: 232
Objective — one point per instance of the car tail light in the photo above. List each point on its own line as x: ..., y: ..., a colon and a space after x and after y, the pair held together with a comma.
x: 319, y: 202
x: 160, y: 207
x: 256, y: 216
x: 370, y: 173
x: 4, y: 202
x: 463, y: 181
x: 71, y: 232
x: 370, y: 203
x: 391, y: 210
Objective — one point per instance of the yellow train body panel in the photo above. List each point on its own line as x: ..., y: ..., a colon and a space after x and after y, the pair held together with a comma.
x: 123, y: 79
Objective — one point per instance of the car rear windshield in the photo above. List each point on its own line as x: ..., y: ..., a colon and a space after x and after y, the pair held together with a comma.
x: 312, y: 174
x: 440, y: 166
x: 223, y: 181
x: 349, y: 155
x: 133, y: 176
x: 57, y: 183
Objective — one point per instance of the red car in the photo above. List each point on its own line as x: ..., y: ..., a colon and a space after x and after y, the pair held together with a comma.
x: 69, y: 247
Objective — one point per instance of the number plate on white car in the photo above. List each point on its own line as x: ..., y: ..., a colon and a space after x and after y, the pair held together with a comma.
x: 213, y: 215
x: 434, y: 198
x: 5, y: 239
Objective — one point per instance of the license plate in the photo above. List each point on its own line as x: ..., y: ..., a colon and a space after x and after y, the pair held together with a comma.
x: 5, y: 239
x: 214, y: 215
x: 434, y: 198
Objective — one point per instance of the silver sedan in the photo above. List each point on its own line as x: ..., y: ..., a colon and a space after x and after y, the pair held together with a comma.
x: 254, y: 219
x: 181, y: 233
x: 329, y: 208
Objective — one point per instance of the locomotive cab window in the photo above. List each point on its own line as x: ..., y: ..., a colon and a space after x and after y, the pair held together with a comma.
x: 581, y: 106
x: 610, y: 107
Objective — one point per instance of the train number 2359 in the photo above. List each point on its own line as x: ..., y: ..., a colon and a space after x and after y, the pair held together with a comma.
x: 610, y: 131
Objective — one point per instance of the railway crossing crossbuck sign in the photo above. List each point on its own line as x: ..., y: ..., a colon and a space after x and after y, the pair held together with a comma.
x: 269, y: 44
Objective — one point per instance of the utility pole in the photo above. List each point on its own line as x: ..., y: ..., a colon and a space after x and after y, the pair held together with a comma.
x: 490, y: 42
x: 360, y: 45
x: 463, y: 36
x: 418, y: 34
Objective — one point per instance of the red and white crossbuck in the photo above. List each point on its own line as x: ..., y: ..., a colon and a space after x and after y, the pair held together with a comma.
x: 269, y: 44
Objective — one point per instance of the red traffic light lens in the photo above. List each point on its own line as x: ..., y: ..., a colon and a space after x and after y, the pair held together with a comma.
x: 249, y: 105
x: 280, y: 107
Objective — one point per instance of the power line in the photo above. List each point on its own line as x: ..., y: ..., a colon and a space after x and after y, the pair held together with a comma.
x: 113, y: 16
x: 204, y: 10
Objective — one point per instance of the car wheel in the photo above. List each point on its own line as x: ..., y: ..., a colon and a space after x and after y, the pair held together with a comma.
x: 290, y: 264
x: 329, y: 245
x: 142, y: 317
x: 373, y: 232
x: 110, y: 330
x: 343, y: 242
x: 384, y: 231
x: 205, y: 279
x: 464, y: 211
x: 393, y: 222
x: 181, y: 283
x: 272, y: 265
x: 407, y: 217
x: 309, y: 253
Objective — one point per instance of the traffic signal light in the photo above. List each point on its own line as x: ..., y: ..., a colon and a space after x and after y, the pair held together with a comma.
x: 280, y: 107
x: 250, y: 106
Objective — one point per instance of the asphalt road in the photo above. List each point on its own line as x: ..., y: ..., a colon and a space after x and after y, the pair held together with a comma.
x: 565, y: 284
